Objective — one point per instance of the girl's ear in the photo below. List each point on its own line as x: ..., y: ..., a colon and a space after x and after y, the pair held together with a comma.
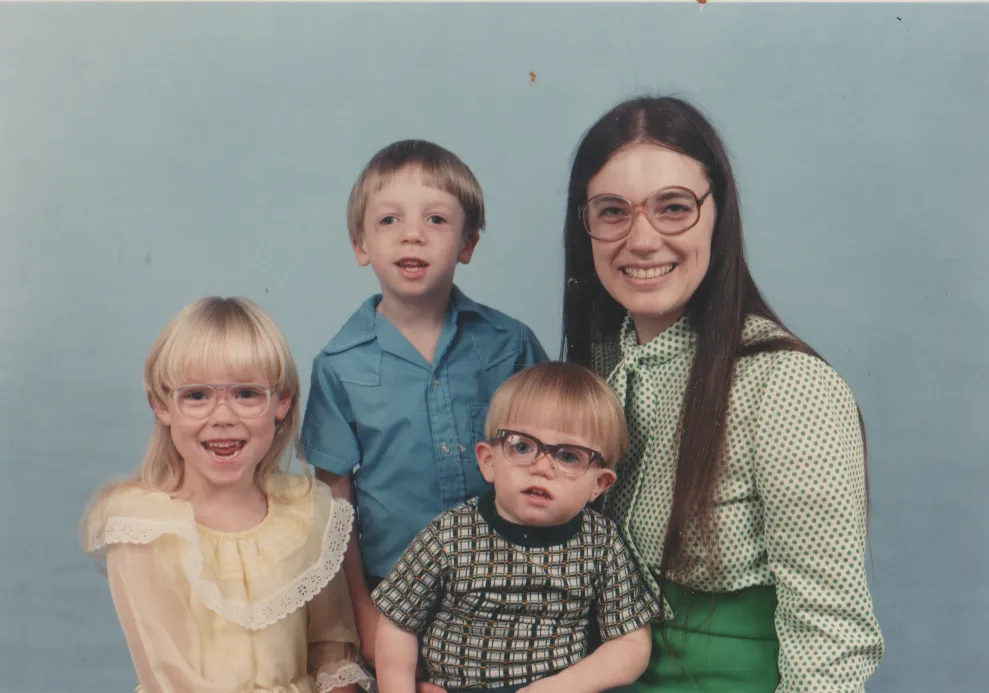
x: 281, y: 409
x: 160, y: 409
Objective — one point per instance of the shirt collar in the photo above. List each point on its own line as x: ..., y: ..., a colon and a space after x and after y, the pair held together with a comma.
x: 672, y: 342
x: 526, y: 535
x: 360, y: 327
x: 459, y: 303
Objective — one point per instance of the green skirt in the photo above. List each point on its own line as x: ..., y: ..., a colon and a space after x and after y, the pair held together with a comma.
x: 721, y: 642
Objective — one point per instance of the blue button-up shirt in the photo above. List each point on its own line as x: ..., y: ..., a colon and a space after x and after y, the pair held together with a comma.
x: 407, y: 428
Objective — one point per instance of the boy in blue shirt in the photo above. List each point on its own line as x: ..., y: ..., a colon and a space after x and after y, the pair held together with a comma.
x: 399, y: 396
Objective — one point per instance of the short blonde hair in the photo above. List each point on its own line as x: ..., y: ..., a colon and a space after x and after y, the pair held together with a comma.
x: 564, y: 397
x: 439, y: 167
x: 230, y: 333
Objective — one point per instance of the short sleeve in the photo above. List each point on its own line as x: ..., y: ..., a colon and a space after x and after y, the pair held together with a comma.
x: 329, y: 439
x: 624, y: 603
x: 532, y: 351
x: 414, y: 586
x: 810, y: 473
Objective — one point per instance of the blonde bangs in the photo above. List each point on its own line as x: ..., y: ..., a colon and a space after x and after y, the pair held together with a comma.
x: 563, y: 397
x: 210, y: 335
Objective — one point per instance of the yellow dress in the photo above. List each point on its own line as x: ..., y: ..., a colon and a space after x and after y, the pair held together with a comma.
x: 216, y: 612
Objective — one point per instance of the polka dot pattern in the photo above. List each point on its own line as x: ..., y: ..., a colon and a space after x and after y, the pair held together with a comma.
x: 789, y: 508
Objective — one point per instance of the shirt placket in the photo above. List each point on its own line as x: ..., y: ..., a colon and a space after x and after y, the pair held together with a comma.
x: 446, y: 447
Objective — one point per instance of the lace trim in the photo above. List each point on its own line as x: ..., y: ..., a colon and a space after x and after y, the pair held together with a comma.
x: 344, y: 676
x: 298, y: 592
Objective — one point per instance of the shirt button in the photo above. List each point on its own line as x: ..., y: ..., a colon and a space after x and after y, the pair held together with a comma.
x: 444, y: 449
x: 435, y: 382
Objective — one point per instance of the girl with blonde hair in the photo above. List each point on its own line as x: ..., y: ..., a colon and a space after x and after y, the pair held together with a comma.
x: 223, y: 567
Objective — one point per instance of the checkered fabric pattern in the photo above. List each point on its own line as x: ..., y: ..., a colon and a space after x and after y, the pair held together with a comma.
x: 493, y: 613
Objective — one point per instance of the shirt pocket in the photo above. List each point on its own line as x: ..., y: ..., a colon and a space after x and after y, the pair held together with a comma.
x: 360, y: 367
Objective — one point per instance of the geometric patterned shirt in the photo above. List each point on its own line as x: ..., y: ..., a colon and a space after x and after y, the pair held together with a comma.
x: 789, y: 507
x: 498, y: 604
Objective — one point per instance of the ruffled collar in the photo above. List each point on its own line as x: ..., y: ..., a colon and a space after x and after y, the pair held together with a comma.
x: 295, y: 551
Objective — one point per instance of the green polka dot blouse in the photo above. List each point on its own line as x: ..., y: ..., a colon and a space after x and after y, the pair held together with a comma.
x: 790, y: 508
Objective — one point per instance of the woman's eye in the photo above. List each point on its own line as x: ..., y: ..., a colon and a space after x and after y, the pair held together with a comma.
x: 610, y: 213
x: 676, y: 209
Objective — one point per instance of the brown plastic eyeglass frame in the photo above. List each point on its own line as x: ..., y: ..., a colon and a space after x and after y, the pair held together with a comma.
x: 642, y: 208
x: 545, y: 448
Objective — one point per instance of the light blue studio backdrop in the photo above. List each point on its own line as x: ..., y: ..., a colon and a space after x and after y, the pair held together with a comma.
x: 153, y: 154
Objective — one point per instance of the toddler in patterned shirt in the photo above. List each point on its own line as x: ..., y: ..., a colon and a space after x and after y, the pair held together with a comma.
x: 499, y: 593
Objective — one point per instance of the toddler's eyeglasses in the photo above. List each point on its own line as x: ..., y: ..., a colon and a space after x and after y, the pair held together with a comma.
x: 523, y: 450
x: 248, y: 401
x: 670, y: 210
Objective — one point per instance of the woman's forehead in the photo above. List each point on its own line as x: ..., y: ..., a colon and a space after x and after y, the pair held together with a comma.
x: 637, y: 171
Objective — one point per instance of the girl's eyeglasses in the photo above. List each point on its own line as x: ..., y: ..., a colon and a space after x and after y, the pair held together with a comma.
x: 248, y: 401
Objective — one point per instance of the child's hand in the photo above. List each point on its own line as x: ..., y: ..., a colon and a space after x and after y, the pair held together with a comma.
x: 424, y: 686
x: 550, y: 684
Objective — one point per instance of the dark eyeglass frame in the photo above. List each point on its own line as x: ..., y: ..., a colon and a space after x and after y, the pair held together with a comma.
x: 641, y: 208
x: 594, y: 457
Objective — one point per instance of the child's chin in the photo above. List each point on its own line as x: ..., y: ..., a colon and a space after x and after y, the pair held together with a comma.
x: 543, y: 520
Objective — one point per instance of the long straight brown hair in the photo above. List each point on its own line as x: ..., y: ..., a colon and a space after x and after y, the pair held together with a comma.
x: 716, y: 311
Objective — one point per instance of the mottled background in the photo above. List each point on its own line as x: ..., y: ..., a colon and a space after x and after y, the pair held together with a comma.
x: 150, y: 154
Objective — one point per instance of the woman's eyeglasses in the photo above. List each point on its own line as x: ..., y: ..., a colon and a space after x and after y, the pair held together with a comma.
x: 670, y: 210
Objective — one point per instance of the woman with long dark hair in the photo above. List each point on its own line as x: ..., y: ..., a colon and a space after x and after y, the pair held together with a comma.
x: 744, y: 494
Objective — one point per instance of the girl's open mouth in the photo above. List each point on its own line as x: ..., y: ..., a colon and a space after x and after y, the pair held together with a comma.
x: 224, y: 449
